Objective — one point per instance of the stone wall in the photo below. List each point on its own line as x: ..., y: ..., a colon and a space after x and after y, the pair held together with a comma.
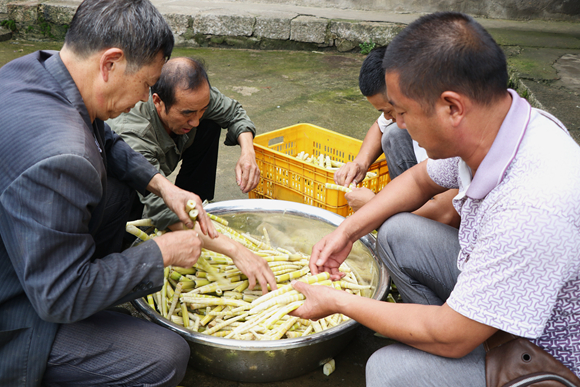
x: 497, y: 9
x: 45, y: 20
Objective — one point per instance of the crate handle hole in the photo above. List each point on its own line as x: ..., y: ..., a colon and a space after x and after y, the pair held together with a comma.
x: 276, y: 141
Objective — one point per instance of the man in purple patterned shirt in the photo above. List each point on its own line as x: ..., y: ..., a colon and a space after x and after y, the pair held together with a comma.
x: 514, y: 263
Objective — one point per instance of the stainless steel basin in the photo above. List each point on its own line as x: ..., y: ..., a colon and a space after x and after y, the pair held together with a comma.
x: 300, y: 226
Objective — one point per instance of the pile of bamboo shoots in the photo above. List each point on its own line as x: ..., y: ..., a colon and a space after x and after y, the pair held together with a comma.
x: 325, y: 161
x: 213, y: 298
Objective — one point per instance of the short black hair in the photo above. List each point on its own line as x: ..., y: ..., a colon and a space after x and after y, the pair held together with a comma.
x: 185, y: 73
x: 134, y: 26
x: 371, y: 79
x: 447, y: 51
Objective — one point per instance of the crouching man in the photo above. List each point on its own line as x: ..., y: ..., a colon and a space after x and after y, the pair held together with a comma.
x: 182, y: 121
x: 513, y: 264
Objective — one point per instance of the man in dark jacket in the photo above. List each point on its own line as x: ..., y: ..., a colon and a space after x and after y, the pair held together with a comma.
x: 65, y: 192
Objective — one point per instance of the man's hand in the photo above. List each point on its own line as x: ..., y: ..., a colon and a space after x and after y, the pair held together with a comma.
x: 358, y: 197
x: 180, y: 248
x: 320, y: 300
x: 329, y: 253
x: 247, y: 171
x: 255, y: 268
x: 176, y: 199
x: 351, y: 172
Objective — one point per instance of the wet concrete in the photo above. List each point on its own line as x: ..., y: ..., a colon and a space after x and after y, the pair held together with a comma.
x: 282, y: 88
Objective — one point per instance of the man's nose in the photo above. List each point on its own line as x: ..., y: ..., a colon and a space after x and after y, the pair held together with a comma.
x: 193, y: 122
x: 145, y: 96
x: 400, y: 121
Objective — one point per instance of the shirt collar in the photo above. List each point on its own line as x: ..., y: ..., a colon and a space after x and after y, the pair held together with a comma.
x: 492, y: 169
x: 58, y: 70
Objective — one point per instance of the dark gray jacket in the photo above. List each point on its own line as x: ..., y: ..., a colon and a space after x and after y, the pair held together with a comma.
x: 54, y: 165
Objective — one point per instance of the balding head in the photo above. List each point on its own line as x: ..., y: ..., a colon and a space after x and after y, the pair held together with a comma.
x: 183, y: 73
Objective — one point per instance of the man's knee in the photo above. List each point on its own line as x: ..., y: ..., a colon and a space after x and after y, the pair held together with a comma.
x: 163, y: 358
x: 393, y: 137
x: 396, y: 230
x: 380, y: 370
x: 172, y: 364
x: 394, y: 227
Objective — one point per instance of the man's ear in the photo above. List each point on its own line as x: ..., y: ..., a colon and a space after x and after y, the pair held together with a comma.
x: 159, y: 105
x: 455, y: 106
x: 112, y: 59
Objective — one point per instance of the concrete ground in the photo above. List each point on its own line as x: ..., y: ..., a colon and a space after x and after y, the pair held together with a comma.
x: 282, y: 88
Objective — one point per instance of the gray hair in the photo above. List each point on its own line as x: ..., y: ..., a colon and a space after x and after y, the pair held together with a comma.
x: 134, y: 26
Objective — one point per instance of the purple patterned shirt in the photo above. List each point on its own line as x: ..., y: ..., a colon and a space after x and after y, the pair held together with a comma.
x: 520, y: 232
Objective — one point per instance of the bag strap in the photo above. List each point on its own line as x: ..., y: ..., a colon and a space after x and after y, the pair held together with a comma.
x: 497, y: 339
x: 532, y: 379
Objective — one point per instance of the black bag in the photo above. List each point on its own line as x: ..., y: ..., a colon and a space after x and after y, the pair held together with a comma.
x: 513, y: 361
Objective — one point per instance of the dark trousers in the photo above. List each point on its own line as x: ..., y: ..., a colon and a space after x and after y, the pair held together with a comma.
x: 398, y: 148
x: 111, y: 348
x: 119, y: 203
x: 114, y: 349
x: 199, y: 163
x: 198, y: 168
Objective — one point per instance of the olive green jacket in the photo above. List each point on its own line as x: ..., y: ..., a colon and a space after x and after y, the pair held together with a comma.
x: 142, y: 129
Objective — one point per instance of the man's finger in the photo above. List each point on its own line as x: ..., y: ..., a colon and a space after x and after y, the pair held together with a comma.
x: 350, y: 177
x: 338, y: 176
x: 184, y: 217
x: 271, y: 280
x: 254, y: 179
x: 205, y: 223
x: 239, y: 173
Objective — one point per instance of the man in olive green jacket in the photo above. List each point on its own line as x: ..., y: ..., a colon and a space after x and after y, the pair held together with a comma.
x: 182, y: 121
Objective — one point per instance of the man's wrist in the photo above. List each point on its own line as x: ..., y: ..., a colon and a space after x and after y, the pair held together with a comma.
x: 362, y: 164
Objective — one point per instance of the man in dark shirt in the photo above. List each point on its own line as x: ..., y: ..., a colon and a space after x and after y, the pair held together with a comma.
x: 65, y: 192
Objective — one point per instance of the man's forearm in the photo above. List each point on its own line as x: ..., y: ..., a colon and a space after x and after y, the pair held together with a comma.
x: 434, y: 329
x: 371, y: 147
x: 156, y: 185
x: 406, y: 193
x: 246, y: 141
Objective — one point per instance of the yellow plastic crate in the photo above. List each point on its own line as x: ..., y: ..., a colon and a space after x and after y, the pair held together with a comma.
x: 285, y: 177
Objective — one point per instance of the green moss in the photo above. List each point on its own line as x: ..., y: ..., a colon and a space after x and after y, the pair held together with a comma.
x: 242, y: 42
x: 539, y: 39
x: 273, y: 44
x: 216, y: 40
x: 9, y: 24
x: 45, y: 28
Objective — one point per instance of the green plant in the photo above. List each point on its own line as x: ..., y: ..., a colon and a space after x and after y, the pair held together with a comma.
x: 45, y: 28
x: 10, y: 24
x: 366, y: 47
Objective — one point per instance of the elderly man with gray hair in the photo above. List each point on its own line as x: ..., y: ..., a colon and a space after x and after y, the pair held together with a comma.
x: 65, y: 194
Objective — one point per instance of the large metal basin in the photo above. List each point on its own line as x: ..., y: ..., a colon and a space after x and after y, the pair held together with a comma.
x: 301, y: 227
